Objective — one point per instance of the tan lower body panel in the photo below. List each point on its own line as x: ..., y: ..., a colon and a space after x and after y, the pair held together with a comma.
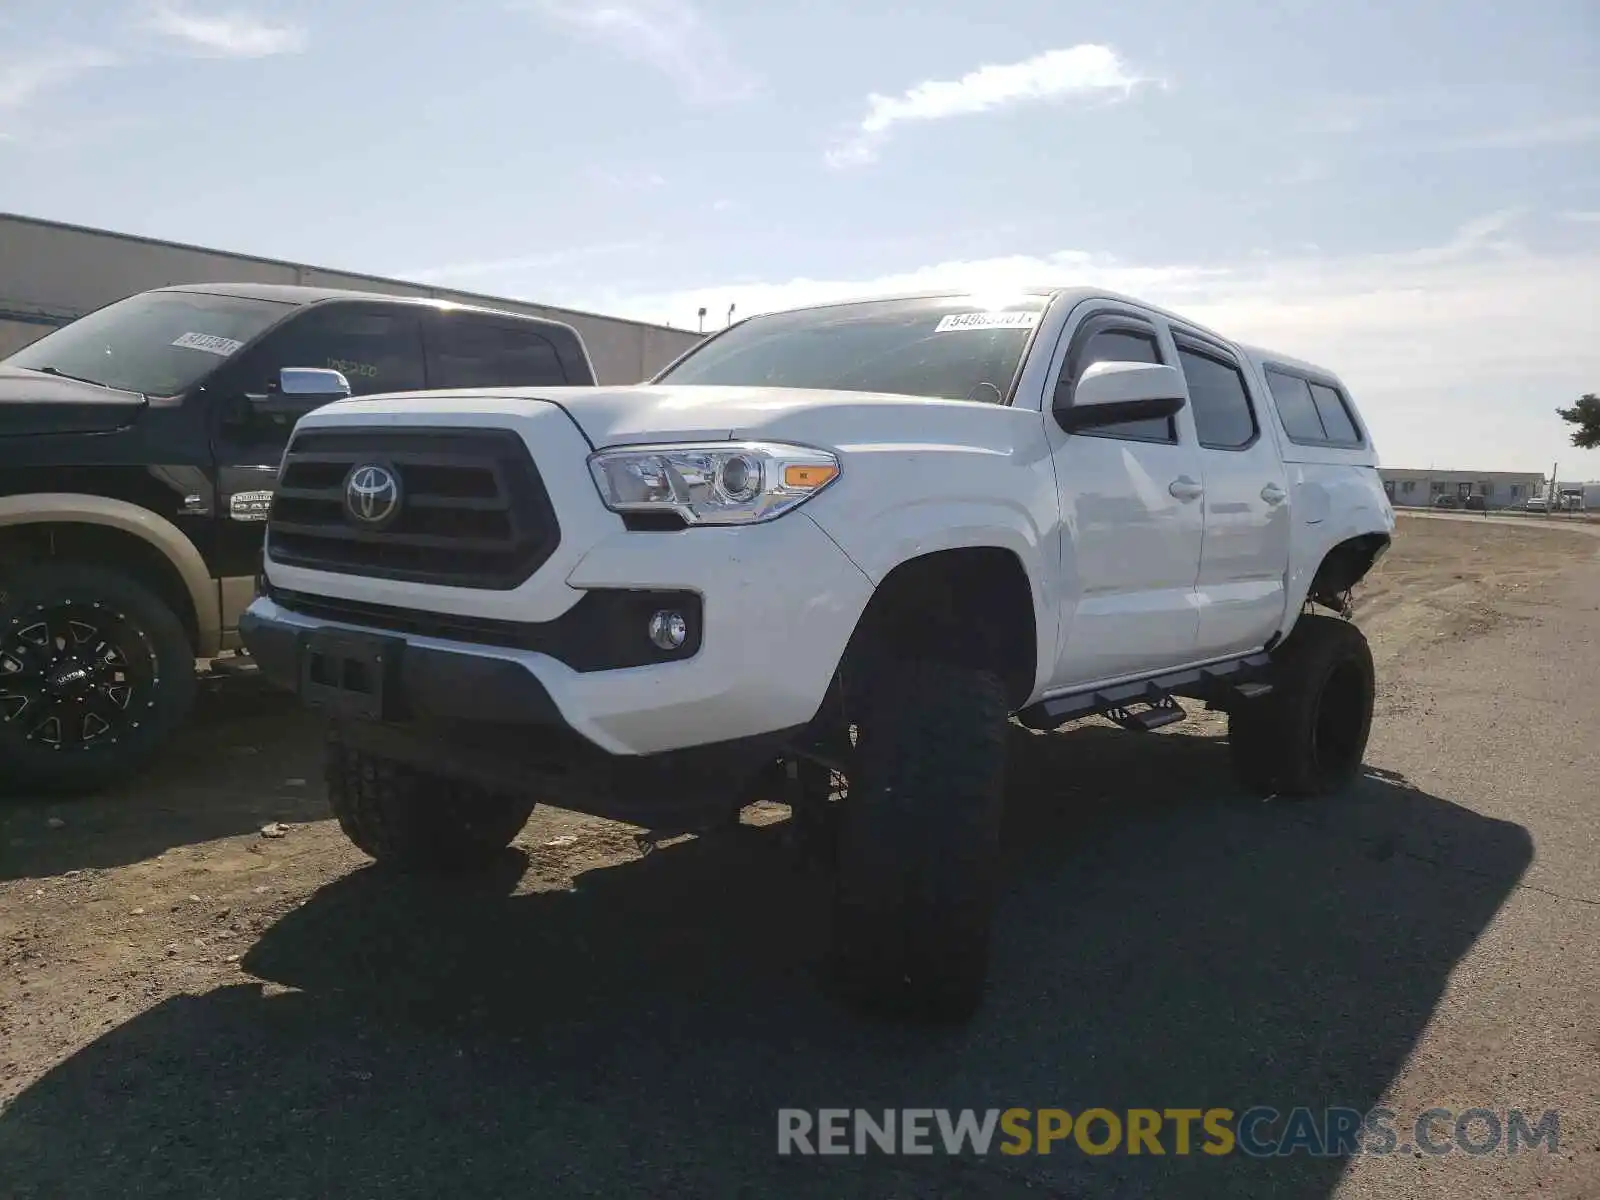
x: 235, y: 592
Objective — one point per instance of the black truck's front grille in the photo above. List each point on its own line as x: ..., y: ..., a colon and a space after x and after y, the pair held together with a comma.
x: 471, y: 508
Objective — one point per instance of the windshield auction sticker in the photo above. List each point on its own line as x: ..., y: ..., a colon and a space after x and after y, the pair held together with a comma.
x: 211, y: 343
x: 987, y: 320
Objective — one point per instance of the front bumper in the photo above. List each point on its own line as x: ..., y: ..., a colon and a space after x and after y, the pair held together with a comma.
x: 778, y: 603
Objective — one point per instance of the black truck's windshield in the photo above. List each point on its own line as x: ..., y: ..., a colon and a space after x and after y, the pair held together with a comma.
x: 951, y: 347
x: 158, y: 343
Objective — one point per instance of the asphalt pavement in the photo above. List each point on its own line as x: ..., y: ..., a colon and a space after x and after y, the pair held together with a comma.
x: 1431, y: 939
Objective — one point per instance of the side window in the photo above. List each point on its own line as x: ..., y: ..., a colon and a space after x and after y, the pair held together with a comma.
x: 1292, y: 395
x: 378, y: 350
x: 1312, y: 412
x: 1335, y: 416
x: 1124, y: 345
x: 473, y: 353
x: 1223, y: 418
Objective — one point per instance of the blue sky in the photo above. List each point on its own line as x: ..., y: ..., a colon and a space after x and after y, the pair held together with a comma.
x: 1406, y: 191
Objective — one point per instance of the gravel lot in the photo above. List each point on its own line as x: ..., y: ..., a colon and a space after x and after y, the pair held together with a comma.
x: 189, y: 1007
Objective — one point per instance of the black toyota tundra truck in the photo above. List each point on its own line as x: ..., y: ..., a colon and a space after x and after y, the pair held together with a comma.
x: 138, y: 449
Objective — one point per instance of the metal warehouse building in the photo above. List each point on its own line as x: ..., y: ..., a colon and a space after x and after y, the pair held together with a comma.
x: 52, y: 273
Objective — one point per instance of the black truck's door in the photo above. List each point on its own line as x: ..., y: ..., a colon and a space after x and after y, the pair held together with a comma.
x: 378, y: 348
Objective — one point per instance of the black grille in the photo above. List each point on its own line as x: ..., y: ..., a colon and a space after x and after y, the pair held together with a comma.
x: 473, y: 510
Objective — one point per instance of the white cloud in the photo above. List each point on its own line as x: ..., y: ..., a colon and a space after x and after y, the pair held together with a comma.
x: 26, y: 77
x: 669, y: 35
x: 1590, y: 217
x: 1435, y: 341
x: 1085, y: 70
x: 227, y: 35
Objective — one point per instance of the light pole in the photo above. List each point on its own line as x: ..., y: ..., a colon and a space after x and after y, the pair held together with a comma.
x: 702, y: 319
x: 730, y: 315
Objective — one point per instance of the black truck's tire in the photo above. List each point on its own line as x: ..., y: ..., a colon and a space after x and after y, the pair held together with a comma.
x: 919, y: 841
x: 412, y: 821
x: 96, y: 672
x: 1308, y: 735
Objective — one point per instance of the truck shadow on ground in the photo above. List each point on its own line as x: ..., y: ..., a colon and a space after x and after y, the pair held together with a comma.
x: 223, y: 773
x: 1163, y: 943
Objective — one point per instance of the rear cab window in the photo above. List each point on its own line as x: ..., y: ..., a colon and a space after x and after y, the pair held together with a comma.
x: 468, y: 351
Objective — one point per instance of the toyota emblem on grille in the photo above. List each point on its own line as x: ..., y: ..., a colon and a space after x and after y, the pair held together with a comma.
x: 371, y: 494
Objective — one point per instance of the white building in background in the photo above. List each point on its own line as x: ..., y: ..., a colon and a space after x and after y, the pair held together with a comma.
x: 1499, y: 489
x: 52, y: 273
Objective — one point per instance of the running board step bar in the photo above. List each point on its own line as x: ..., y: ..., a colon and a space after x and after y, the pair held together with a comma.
x: 1238, y: 678
x: 1166, y: 711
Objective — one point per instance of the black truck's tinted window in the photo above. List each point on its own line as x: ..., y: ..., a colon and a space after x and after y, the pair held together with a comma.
x: 378, y: 349
x: 159, y: 343
x: 1126, y: 345
x: 1223, y: 418
x: 466, y: 352
x: 950, y: 347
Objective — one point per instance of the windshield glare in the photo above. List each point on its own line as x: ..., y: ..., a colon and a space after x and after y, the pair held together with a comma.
x: 950, y: 347
x: 158, y: 343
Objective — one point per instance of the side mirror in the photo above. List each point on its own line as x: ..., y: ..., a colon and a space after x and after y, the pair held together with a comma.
x: 313, y: 381
x: 1109, y: 393
x: 299, y: 390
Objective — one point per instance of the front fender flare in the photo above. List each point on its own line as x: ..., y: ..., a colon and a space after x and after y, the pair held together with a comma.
x: 915, y: 529
x: 74, y: 508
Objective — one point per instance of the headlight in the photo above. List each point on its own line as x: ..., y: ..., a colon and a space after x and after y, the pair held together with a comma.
x: 727, y: 483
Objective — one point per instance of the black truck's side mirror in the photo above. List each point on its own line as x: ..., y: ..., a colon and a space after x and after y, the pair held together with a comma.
x: 301, y: 389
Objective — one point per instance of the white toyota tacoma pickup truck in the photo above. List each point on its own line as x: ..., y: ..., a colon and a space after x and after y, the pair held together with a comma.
x: 838, y: 547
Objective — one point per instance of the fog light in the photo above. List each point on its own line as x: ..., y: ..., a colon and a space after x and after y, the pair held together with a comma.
x: 669, y: 630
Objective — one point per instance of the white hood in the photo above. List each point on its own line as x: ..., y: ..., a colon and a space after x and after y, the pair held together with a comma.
x: 616, y: 416
x: 645, y: 413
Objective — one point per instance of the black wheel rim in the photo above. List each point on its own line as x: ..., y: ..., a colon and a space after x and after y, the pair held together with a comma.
x: 75, y: 676
x: 1336, y: 734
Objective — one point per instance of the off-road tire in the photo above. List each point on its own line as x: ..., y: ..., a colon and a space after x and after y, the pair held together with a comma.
x: 414, y: 822
x: 919, y: 842
x: 156, y: 639
x: 1308, y: 735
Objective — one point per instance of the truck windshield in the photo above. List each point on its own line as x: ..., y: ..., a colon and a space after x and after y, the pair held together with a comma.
x: 949, y: 347
x: 158, y: 343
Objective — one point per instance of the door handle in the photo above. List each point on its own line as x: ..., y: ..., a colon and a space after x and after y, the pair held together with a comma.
x: 1184, y: 488
x: 1273, y: 494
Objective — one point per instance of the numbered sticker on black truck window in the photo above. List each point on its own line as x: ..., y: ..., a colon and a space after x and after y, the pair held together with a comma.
x: 211, y: 343
x: 987, y: 320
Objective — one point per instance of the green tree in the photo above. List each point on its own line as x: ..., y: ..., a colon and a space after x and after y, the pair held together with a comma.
x: 1585, y: 414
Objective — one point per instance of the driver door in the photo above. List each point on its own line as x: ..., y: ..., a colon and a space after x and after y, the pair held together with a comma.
x: 1132, y: 521
x: 377, y: 347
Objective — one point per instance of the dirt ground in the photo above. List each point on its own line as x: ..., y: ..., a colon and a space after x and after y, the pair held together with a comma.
x: 205, y: 991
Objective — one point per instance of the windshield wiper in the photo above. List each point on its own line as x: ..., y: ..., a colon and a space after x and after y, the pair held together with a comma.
x: 60, y: 374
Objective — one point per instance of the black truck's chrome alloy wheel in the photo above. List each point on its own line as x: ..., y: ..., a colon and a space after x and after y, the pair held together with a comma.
x: 75, y: 675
